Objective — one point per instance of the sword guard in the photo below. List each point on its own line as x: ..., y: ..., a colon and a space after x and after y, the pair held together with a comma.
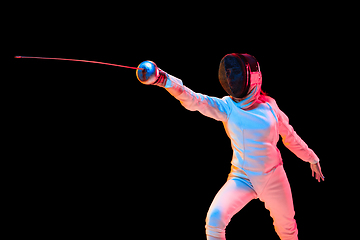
x: 149, y: 73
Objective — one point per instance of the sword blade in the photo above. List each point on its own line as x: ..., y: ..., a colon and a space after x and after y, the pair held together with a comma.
x: 78, y: 60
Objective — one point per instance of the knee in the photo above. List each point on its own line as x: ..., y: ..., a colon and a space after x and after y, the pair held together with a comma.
x: 214, y: 218
x: 216, y: 221
x: 215, y: 224
x: 286, y: 229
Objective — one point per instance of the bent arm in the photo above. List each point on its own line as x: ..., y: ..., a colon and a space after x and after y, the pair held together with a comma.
x: 212, y: 107
x: 292, y: 140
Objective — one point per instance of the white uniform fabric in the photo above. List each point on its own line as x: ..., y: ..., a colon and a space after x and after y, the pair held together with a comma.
x: 253, y: 124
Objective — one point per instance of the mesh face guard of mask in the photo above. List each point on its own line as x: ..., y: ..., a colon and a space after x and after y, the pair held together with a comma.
x: 237, y: 72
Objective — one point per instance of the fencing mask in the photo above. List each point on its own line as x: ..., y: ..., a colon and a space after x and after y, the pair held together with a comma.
x: 238, y: 72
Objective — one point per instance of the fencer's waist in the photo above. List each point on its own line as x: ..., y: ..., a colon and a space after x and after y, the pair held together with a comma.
x: 256, y: 162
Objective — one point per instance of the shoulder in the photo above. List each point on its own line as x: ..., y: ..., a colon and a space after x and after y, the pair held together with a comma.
x: 227, y: 99
x: 267, y: 99
x: 271, y: 101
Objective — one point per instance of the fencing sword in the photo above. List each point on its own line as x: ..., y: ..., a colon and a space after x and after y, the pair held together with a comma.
x: 147, y: 72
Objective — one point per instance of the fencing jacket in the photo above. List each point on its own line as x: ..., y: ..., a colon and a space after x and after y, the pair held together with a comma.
x: 253, y: 124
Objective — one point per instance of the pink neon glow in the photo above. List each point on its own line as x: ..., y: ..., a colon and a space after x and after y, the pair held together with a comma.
x: 77, y: 60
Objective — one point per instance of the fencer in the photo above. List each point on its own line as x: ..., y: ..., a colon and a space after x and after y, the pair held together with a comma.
x: 253, y: 122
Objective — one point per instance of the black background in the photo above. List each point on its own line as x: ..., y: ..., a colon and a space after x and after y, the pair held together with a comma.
x: 96, y: 153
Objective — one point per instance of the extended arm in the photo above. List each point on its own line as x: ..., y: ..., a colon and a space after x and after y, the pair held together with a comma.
x: 212, y: 107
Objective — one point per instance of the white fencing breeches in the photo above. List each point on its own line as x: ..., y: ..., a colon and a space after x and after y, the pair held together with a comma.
x: 237, y: 192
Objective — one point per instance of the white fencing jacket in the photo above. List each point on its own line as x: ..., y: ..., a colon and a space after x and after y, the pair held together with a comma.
x: 253, y: 124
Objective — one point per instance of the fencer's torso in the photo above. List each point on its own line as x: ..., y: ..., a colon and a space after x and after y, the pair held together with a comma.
x: 253, y: 125
x: 254, y: 135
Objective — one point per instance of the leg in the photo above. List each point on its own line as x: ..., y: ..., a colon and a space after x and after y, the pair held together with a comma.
x: 278, y: 200
x: 231, y: 198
